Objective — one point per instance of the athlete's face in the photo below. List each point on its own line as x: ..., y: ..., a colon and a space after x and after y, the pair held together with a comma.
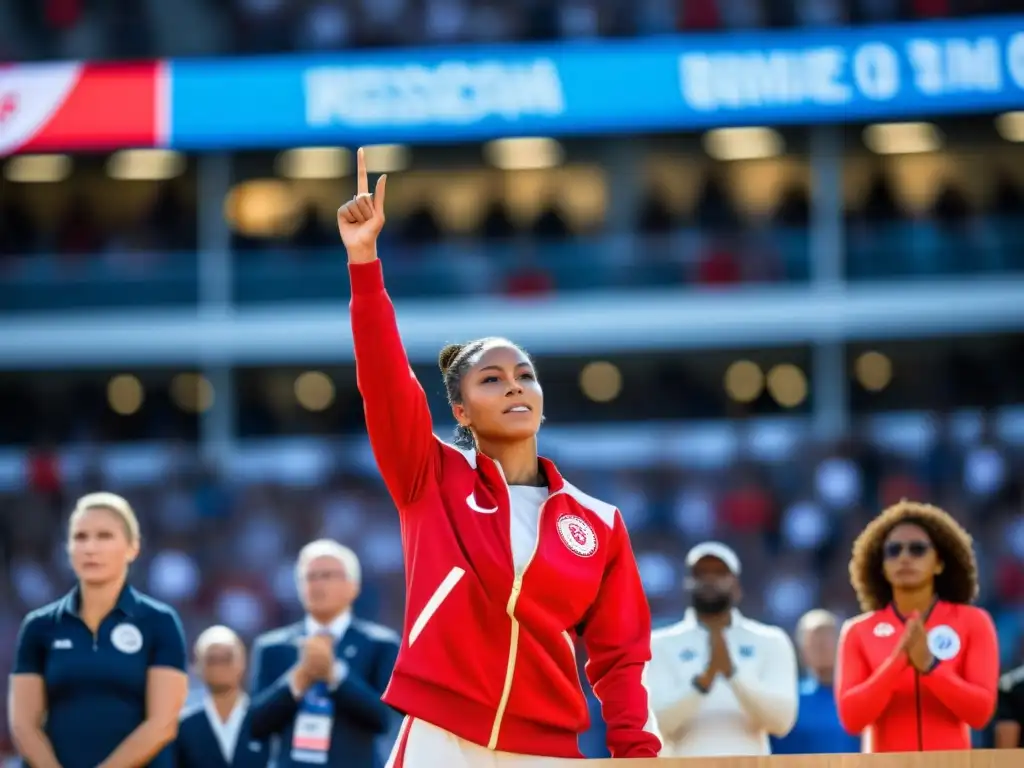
x: 99, y: 546
x: 909, y: 557
x: 501, y: 398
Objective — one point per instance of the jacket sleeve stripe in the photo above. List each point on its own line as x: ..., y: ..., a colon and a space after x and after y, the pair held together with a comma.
x: 440, y: 595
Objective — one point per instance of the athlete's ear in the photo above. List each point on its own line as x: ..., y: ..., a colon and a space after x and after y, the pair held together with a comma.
x: 939, y: 567
x: 459, y: 412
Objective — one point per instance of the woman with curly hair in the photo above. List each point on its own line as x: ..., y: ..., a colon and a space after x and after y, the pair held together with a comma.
x: 918, y: 670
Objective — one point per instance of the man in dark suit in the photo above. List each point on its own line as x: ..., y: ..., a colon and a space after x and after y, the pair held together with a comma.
x: 317, y: 684
x: 218, y: 732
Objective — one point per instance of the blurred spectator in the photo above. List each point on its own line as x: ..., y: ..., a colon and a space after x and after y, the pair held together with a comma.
x: 817, y: 729
x: 720, y: 682
x: 57, y: 28
x: 823, y: 498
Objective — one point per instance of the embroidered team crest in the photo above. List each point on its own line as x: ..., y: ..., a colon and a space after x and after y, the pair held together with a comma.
x: 577, y: 535
x: 126, y: 638
x: 884, y: 630
x: 943, y: 642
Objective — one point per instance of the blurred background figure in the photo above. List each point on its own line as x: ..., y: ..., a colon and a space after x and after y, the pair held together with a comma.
x: 317, y: 683
x: 721, y: 683
x: 817, y: 729
x: 1009, y: 721
x: 218, y: 732
x: 760, y: 314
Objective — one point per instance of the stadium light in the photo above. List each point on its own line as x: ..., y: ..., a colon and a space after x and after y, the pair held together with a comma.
x: 902, y: 138
x: 262, y: 208
x: 744, y: 381
x: 787, y: 385
x: 145, y: 165
x: 37, y: 169
x: 387, y: 158
x: 753, y: 143
x: 601, y: 381
x: 125, y: 394
x: 1011, y: 126
x: 308, y: 163
x: 873, y: 371
x: 314, y: 391
x: 525, y: 154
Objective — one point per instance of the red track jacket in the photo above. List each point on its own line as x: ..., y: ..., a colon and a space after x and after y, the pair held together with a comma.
x: 898, y: 709
x: 488, y: 653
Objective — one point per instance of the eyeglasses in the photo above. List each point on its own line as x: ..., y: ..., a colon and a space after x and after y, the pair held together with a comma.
x: 218, y: 659
x: 915, y: 549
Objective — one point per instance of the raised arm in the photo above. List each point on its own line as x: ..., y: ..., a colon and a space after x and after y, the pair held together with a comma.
x: 397, y: 415
x: 862, y: 694
x: 617, y: 636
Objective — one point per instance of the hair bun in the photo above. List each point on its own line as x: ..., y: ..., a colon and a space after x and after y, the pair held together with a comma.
x: 448, y: 355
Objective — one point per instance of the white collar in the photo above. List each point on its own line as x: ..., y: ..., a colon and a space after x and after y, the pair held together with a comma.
x: 226, y: 732
x: 337, y: 628
x: 690, y: 617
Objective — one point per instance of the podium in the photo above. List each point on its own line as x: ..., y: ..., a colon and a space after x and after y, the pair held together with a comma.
x: 976, y: 758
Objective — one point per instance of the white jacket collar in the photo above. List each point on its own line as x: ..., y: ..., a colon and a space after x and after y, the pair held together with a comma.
x: 690, y: 618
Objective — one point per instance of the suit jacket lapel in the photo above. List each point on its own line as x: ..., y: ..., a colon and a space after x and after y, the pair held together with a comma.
x: 227, y: 735
x: 210, y: 745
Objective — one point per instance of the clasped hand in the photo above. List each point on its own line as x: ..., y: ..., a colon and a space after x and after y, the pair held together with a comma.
x: 915, y: 644
x: 719, y: 661
x: 316, y: 660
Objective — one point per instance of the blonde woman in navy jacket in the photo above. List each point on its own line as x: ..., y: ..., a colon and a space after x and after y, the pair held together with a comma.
x: 99, y: 676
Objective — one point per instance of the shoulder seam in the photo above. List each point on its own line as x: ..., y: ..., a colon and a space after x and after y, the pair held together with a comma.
x: 606, y: 512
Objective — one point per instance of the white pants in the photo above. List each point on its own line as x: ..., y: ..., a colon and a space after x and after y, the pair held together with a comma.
x: 421, y: 745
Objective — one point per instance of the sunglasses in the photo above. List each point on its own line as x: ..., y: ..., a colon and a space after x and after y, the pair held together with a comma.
x: 915, y: 549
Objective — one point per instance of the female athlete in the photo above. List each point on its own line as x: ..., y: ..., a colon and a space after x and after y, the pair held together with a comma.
x: 919, y: 670
x: 506, y: 562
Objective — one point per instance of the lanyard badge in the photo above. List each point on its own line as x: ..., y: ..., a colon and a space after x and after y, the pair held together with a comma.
x: 311, y: 737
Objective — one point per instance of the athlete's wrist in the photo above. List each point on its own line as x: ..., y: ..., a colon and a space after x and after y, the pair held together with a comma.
x: 362, y: 254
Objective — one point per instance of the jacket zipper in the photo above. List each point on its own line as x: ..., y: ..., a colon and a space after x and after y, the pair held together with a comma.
x: 917, y: 704
x: 510, y: 608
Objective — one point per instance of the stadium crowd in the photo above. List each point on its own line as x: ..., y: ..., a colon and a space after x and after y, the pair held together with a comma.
x: 223, y: 551
x: 712, y: 243
x: 126, y: 28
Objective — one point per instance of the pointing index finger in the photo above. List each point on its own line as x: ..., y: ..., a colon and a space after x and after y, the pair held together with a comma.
x: 362, y: 182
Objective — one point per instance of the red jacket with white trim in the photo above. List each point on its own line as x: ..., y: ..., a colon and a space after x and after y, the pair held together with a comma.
x: 488, y: 652
x: 898, y: 709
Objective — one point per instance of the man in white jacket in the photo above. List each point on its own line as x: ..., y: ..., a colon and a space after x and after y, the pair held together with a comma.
x: 720, y: 682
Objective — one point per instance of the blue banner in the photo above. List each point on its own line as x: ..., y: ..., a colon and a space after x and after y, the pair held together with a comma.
x: 668, y: 83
